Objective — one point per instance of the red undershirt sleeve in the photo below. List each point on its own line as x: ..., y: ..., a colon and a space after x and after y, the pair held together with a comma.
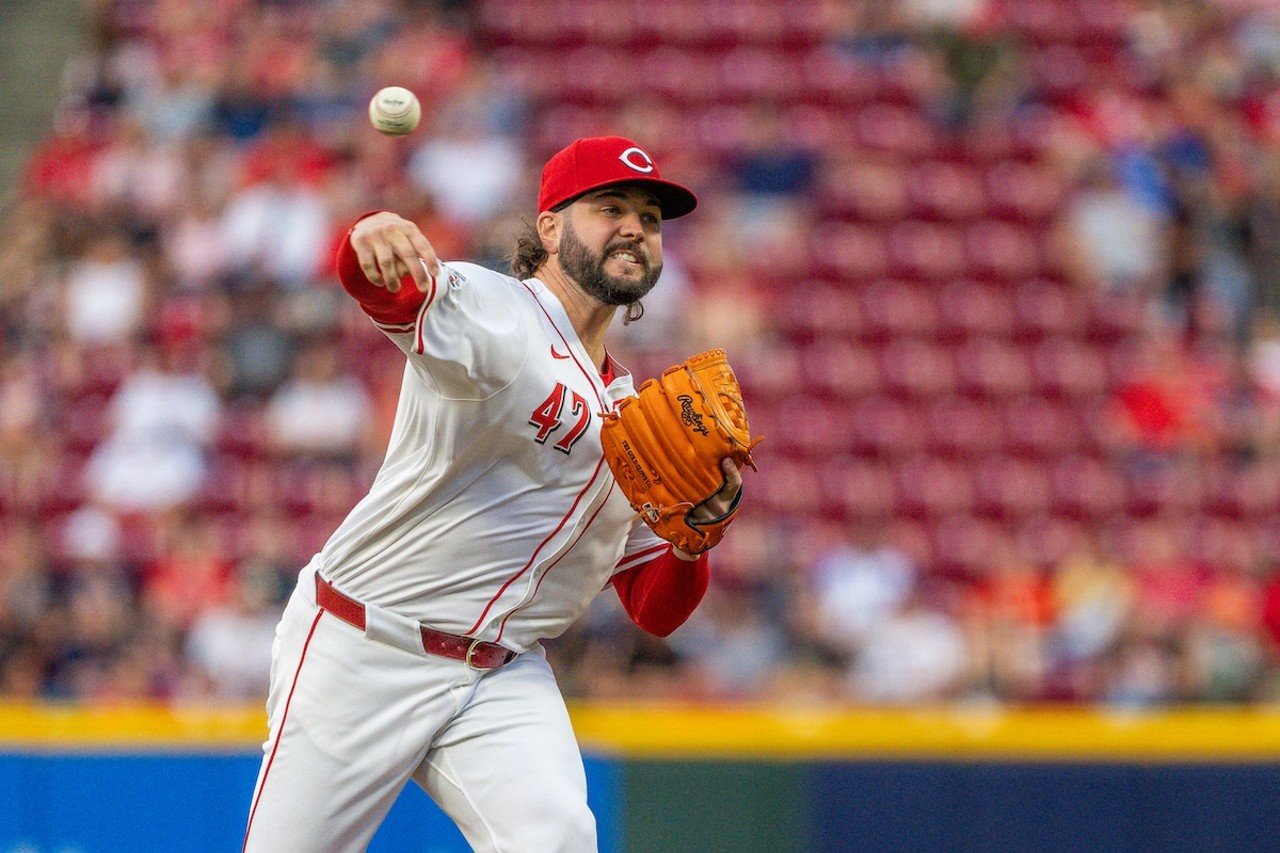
x: 660, y: 594
x: 380, y: 304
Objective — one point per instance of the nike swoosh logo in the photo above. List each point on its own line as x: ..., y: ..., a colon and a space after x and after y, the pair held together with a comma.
x: 555, y: 354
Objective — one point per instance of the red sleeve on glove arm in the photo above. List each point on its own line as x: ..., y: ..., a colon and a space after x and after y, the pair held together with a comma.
x: 378, y: 302
x: 660, y: 594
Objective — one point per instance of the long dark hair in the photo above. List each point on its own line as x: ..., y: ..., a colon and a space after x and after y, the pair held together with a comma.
x: 529, y: 255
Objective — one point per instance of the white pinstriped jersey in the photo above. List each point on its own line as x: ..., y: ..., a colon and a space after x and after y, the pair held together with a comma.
x: 494, y: 514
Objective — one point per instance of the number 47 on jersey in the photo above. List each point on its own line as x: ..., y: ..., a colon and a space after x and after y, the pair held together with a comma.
x: 549, y: 414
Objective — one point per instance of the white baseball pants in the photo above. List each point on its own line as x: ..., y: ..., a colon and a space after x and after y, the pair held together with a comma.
x: 352, y: 719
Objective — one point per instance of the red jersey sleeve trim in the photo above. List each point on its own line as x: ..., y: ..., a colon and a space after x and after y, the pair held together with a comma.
x: 660, y: 594
x: 391, y: 312
x: 642, y: 556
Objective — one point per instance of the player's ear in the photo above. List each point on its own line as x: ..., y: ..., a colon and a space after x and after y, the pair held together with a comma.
x: 550, y: 225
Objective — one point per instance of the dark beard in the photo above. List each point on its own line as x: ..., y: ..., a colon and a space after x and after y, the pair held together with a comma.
x: 588, y: 270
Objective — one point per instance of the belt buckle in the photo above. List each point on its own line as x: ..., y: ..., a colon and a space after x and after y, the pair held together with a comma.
x: 471, y: 650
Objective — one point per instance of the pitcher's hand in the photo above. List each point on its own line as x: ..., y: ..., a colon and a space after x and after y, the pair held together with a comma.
x: 389, y: 247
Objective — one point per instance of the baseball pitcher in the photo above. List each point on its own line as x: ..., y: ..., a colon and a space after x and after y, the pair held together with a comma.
x: 524, y: 474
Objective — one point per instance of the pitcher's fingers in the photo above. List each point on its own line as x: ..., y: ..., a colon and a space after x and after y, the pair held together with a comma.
x: 369, y: 265
x: 425, y: 251
x: 732, y: 477
x: 408, y: 257
x: 387, y: 266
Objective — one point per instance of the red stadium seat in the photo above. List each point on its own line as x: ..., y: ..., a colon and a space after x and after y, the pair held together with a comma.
x: 968, y: 308
x: 992, y: 367
x: 769, y: 372
x: 932, y: 487
x: 810, y: 127
x: 87, y: 422
x: 794, y: 490
x: 848, y: 252
x: 818, y: 309
x: 1066, y: 367
x: 961, y: 427
x: 836, y: 78
x: 1044, y: 307
x: 1001, y: 250
x: 1049, y: 539
x: 590, y: 75
x: 857, y: 485
x: 1250, y: 492
x: 891, y: 309
x: 1021, y: 191
x: 241, y: 431
x: 808, y: 23
x: 916, y: 367
x: 927, y: 250
x: 840, y: 368
x: 1042, y: 22
x: 754, y: 74
x: 1042, y: 428
x: 964, y: 544
x: 886, y: 427
x: 1059, y: 69
x: 1011, y: 488
x: 1087, y: 488
x: 809, y: 427
x: 680, y: 76
x: 871, y: 188
x: 942, y: 190
x: 888, y: 127
x: 1114, y: 318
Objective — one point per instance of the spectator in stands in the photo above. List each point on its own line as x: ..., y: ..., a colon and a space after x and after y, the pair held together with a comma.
x: 733, y: 648
x: 1143, y: 672
x: 470, y: 169
x: 1225, y: 644
x: 107, y: 294
x: 1093, y: 600
x: 88, y: 632
x: 229, y: 645
x: 139, y: 173
x: 859, y: 582
x: 1009, y: 614
x: 1165, y: 406
x: 26, y: 595
x: 163, y: 417
x: 278, y: 225
x: 1170, y: 586
x: 917, y: 654
x: 190, y: 575
x: 1113, y: 242
x: 319, y: 410
x: 193, y: 246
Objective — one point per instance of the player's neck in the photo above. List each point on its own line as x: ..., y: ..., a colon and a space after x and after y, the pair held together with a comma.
x: 589, y: 316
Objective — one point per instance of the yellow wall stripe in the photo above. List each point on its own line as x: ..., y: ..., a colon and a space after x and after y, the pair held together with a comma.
x: 1227, y: 734
x: 155, y: 727
x: 770, y: 732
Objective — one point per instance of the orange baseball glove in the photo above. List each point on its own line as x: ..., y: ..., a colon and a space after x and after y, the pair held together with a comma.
x: 665, y: 446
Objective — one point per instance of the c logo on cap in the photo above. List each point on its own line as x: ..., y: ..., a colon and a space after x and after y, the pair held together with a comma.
x: 646, y: 162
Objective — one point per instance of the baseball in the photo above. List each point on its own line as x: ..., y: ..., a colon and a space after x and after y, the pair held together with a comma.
x: 394, y: 111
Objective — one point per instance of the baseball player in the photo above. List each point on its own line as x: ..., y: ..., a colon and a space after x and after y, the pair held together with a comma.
x: 410, y: 648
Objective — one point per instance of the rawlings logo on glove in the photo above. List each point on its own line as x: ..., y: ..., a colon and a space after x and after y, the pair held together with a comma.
x: 665, y: 447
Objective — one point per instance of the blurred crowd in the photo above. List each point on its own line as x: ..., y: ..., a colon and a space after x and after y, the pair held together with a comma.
x: 1001, y: 279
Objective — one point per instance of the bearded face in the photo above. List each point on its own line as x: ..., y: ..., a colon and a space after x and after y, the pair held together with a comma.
x: 588, y: 268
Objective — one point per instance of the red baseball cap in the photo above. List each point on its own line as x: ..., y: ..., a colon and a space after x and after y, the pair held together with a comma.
x: 600, y: 161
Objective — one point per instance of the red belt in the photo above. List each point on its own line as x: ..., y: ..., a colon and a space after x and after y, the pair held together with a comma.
x: 475, y: 653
